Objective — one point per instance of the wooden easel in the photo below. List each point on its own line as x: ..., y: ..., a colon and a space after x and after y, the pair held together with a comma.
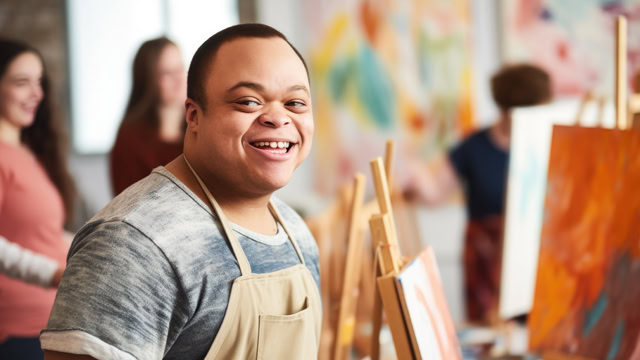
x: 634, y: 109
x: 600, y: 102
x: 621, y: 74
x: 346, y: 324
x: 345, y: 268
x: 332, y: 232
x: 389, y: 261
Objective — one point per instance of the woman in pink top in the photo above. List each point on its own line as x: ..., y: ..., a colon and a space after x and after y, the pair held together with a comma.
x: 36, y: 193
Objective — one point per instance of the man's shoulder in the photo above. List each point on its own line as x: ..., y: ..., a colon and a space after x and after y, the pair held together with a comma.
x: 157, y: 197
x: 161, y: 209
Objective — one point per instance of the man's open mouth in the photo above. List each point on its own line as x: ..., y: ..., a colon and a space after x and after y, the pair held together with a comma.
x: 276, y: 147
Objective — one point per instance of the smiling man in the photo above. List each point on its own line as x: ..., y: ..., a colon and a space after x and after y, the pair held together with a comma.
x: 199, y: 260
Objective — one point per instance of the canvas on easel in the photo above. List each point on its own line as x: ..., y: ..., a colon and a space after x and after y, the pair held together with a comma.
x: 587, y: 294
x: 408, y: 294
x: 425, y: 309
x: 531, y: 129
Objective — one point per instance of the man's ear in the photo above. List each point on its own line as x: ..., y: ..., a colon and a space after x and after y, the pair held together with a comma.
x: 193, y: 113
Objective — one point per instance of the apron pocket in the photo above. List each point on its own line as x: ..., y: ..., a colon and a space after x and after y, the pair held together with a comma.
x: 287, y: 337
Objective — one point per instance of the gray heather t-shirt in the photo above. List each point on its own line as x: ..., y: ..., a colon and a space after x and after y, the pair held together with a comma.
x: 150, y: 276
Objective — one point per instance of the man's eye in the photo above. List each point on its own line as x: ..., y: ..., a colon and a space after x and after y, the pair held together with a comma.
x: 296, y: 103
x: 248, y: 102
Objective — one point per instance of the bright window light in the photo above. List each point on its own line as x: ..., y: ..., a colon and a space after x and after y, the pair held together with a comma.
x: 103, y: 39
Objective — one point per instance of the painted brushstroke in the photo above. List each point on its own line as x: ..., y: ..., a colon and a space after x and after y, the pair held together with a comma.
x: 587, y: 294
x: 387, y: 69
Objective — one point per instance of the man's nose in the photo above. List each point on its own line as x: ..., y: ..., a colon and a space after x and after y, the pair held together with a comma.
x: 274, y: 117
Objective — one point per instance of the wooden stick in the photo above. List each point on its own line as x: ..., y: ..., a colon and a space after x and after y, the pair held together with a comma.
x: 388, y: 161
x: 388, y: 260
x: 397, y: 324
x: 346, y: 319
x: 634, y: 109
x: 377, y: 320
x: 621, y: 72
x: 381, y: 186
x: 384, y: 202
x: 380, y: 225
x: 588, y: 97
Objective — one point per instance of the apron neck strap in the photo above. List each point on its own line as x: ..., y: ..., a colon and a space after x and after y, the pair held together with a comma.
x: 278, y: 217
x: 245, y: 267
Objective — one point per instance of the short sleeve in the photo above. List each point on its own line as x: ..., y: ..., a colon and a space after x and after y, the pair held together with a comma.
x: 119, y: 290
x: 459, y: 158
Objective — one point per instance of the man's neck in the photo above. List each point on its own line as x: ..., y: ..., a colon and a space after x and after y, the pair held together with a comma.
x: 9, y: 134
x: 250, y: 212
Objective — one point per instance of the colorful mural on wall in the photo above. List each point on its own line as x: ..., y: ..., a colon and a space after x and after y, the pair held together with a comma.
x: 387, y: 69
x: 572, y: 39
x: 587, y: 294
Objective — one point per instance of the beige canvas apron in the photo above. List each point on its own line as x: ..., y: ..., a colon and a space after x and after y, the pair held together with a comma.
x: 269, y: 316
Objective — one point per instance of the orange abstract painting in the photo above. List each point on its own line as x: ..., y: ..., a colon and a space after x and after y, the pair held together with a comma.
x: 587, y: 298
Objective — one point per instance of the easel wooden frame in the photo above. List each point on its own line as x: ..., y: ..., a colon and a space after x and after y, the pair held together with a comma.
x: 621, y: 73
x: 385, y: 242
x: 346, y: 323
x: 634, y: 109
x: 332, y: 234
x: 600, y: 102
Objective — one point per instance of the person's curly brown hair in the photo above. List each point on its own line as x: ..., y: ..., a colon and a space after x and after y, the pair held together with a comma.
x: 520, y: 85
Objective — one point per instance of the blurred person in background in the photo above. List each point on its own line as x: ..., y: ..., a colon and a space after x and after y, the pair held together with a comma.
x: 479, y: 165
x: 152, y: 131
x: 36, y: 198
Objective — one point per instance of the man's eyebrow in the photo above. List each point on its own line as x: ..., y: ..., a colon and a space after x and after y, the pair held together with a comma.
x: 299, y: 87
x: 247, y: 84
x: 260, y: 88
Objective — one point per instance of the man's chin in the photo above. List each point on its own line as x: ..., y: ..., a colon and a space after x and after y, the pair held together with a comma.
x: 272, y: 184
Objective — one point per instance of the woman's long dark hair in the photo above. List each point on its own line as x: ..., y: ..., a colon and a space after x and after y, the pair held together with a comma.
x: 144, y: 99
x: 45, y: 137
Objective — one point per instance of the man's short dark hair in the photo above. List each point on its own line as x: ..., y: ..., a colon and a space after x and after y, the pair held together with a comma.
x: 203, y: 58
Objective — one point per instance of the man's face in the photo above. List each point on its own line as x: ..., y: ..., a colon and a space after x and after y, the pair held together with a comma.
x: 258, y: 123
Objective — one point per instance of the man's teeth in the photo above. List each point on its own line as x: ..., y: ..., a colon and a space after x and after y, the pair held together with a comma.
x: 273, y: 144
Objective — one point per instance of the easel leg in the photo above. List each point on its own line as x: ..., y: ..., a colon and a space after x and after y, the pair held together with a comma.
x: 377, y: 322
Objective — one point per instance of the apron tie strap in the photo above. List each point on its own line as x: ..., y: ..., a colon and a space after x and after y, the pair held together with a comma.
x: 245, y: 267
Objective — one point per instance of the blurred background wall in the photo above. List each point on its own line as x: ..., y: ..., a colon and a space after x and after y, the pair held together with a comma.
x: 45, y: 24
